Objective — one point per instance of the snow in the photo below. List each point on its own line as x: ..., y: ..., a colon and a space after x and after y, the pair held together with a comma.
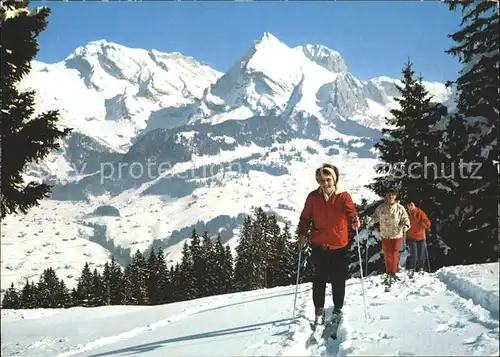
x: 427, y: 315
x: 324, y: 56
x: 328, y: 132
x: 479, y: 284
x: 305, y: 81
x: 25, y: 253
x: 279, y: 67
x: 57, y: 233
x: 11, y: 12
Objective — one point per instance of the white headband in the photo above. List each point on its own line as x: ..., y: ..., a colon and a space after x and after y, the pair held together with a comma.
x: 330, y: 170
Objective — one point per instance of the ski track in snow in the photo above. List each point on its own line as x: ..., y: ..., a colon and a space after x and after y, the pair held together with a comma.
x: 140, y: 330
x: 427, y: 315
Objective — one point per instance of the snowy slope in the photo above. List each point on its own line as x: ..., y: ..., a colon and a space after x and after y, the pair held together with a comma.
x: 255, y: 136
x: 35, y: 241
x: 429, y: 315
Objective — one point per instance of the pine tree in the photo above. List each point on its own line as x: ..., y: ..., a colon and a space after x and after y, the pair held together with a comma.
x: 208, y: 282
x: 25, y: 137
x: 474, y: 224
x: 84, y: 286
x: 219, y: 270
x: 152, y: 279
x: 198, y: 265
x: 244, y: 270
x: 185, y: 288
x: 106, y: 287
x: 98, y: 290
x: 62, y: 295
x: 174, y: 293
x: 116, y: 284
x: 407, y: 142
x: 227, y: 281
x: 275, y: 247
x: 74, y: 298
x: 283, y: 269
x: 135, y: 278
x: 260, y: 248
x: 47, y: 289
x: 11, y: 299
x: 163, y: 287
x: 223, y: 268
x: 29, y: 296
x: 129, y: 294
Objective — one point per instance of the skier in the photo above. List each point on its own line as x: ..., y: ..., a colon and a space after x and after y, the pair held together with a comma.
x: 329, y: 210
x: 393, y: 220
x: 416, y: 237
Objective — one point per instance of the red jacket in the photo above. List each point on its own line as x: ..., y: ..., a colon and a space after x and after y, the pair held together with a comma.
x: 419, y: 222
x: 330, y: 219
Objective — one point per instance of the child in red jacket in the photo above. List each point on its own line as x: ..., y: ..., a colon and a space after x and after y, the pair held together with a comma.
x: 415, y: 236
x: 329, y: 210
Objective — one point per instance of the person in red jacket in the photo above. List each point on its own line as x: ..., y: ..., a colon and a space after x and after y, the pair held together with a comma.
x: 416, y: 237
x: 328, y: 210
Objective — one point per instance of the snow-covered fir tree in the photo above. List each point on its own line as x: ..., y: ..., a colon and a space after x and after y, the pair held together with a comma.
x: 84, y: 286
x: 134, y: 280
x: 473, y: 225
x: 11, y: 299
x: 244, y: 270
x: 163, y: 287
x: 407, y: 143
x: 25, y: 137
x: 98, y: 290
x: 197, y: 264
x: 185, y: 277
x: 116, y: 285
x: 208, y: 282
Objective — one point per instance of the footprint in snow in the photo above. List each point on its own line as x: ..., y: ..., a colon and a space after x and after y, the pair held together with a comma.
x: 426, y: 308
x: 452, y: 325
x: 402, y: 353
x: 482, y: 345
x: 372, y: 337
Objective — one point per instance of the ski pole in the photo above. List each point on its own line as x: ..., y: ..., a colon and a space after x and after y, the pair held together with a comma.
x: 361, y: 271
x: 366, y: 255
x: 297, y: 282
x: 427, y: 257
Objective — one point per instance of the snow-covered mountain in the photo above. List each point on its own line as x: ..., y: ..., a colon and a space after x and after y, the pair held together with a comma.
x: 116, y: 89
x: 162, y: 144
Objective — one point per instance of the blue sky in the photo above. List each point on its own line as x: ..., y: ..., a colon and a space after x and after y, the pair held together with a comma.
x: 374, y: 38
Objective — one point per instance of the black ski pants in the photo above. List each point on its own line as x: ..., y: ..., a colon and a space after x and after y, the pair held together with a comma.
x: 330, y: 265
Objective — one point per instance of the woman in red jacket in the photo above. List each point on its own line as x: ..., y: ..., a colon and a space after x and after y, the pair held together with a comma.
x: 415, y: 236
x: 329, y: 211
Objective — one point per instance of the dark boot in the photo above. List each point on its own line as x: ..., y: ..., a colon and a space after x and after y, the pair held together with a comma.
x: 387, y: 279
x: 336, y: 314
x: 320, y: 316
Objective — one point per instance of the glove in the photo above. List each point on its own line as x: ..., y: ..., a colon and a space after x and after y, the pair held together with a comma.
x: 302, y: 241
